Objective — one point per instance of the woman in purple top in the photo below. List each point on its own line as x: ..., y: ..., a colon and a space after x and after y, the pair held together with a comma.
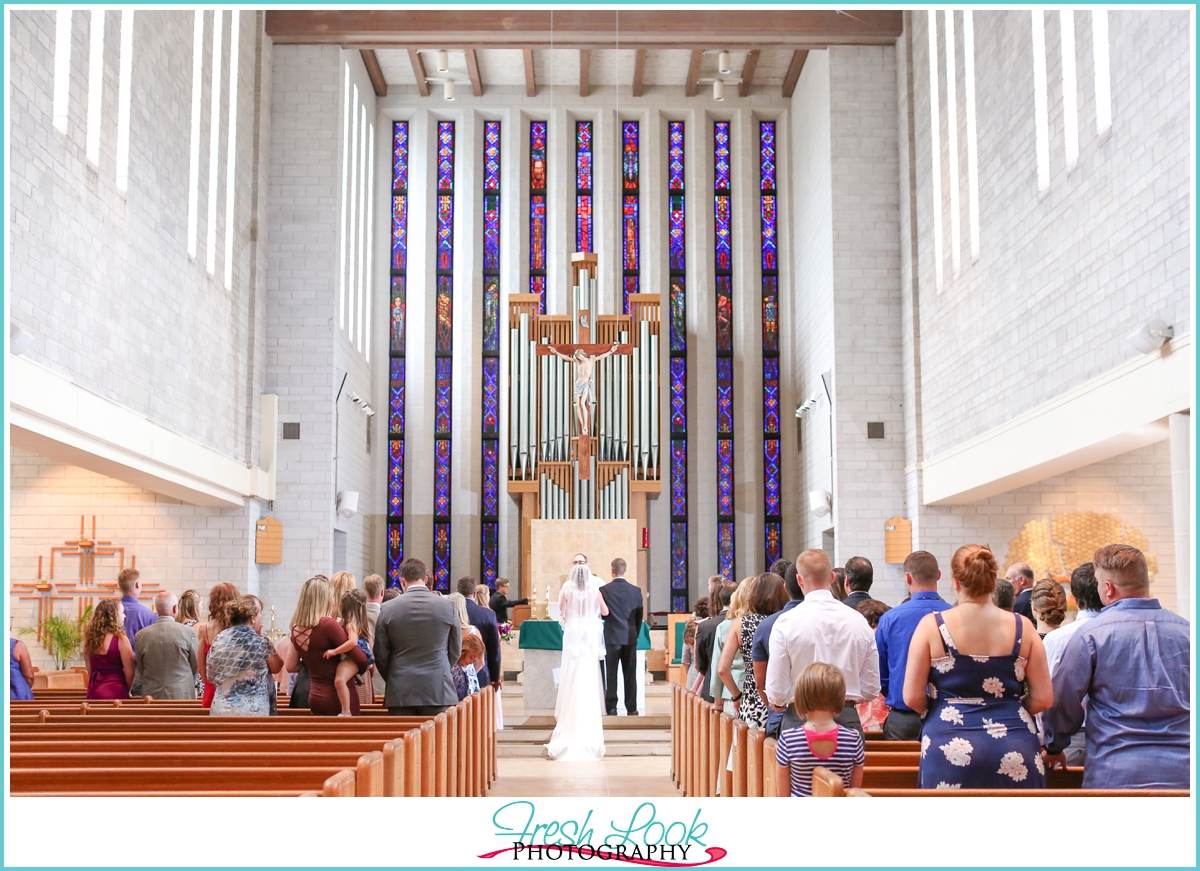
x: 107, y: 652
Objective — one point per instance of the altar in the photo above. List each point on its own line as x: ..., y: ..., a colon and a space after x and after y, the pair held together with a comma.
x: 541, y: 644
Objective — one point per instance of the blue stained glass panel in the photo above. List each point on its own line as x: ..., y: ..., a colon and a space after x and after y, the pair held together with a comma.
x: 396, y: 398
x: 537, y: 285
x: 679, y: 477
x: 399, y: 232
x: 442, y: 408
x: 445, y: 232
x: 679, y: 566
x: 399, y: 306
x: 400, y: 155
x: 537, y: 155
x: 725, y: 394
x: 629, y: 284
x: 725, y: 550
x: 491, y: 155
x: 724, y: 313
x: 441, y: 478
x: 395, y: 554
x: 678, y: 313
x: 676, y: 240
x: 491, y: 478
x: 721, y: 155
x: 767, y: 154
x: 583, y: 155
x: 771, y: 395
x: 675, y: 156
x: 491, y: 232
x: 444, y: 332
x: 724, y: 250
x: 583, y: 222
x: 770, y: 242
x: 491, y: 395
x: 489, y: 559
x: 772, y: 535
x: 491, y: 313
x: 679, y: 394
x: 445, y: 155
x: 537, y: 232
x: 629, y: 155
x: 725, y: 477
x: 770, y: 312
x: 441, y: 556
x: 771, y: 478
x: 396, y: 478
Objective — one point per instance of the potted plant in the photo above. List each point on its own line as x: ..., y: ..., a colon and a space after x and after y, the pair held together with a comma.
x: 62, y: 637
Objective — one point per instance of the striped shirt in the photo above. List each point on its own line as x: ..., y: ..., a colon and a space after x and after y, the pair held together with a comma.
x: 794, y: 752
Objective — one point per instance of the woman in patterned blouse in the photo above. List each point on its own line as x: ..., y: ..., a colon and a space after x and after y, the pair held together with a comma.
x: 241, y: 661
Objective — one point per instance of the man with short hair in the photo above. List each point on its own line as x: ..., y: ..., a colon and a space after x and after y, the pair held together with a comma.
x: 1087, y: 597
x: 1132, y: 665
x: 417, y: 639
x: 622, y: 626
x: 760, y: 648
x: 373, y: 587
x: 500, y: 603
x: 706, y: 630
x: 895, y: 632
x: 859, y: 576
x: 1020, y: 575
x: 483, y: 619
x: 137, y: 615
x: 166, y: 661
x: 1003, y: 596
x: 820, y: 629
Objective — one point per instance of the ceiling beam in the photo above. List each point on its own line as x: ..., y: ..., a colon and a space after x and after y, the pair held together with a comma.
x: 584, y: 28
x: 639, y: 71
x: 748, y: 69
x: 530, y: 84
x: 473, y: 72
x: 793, y: 73
x: 371, y: 62
x: 418, y: 66
x: 693, y: 73
x: 585, y: 69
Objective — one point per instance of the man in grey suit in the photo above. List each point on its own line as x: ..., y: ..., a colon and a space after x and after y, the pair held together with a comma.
x: 417, y: 639
x: 166, y: 662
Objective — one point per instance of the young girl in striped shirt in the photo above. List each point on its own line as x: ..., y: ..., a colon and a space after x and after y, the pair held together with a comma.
x: 820, y: 696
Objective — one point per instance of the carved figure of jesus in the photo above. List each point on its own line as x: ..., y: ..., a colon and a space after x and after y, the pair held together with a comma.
x: 584, y: 395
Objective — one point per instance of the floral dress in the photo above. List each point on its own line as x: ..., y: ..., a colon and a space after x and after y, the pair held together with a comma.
x: 976, y: 733
x: 751, y: 708
x: 237, y: 666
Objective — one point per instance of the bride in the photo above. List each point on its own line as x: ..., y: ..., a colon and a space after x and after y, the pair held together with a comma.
x: 579, y: 733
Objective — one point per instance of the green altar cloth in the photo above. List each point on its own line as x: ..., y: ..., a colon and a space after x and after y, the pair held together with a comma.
x: 548, y: 635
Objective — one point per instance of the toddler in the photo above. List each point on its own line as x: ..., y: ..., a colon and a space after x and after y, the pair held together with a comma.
x: 820, y: 696
x: 358, y: 632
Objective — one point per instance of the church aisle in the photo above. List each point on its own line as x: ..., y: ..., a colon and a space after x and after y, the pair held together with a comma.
x: 640, y: 776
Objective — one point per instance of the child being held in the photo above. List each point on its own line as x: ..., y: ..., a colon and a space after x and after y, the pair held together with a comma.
x: 358, y: 632
x: 820, y: 741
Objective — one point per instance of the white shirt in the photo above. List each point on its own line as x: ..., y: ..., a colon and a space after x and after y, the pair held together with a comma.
x: 822, y: 629
x: 1056, y: 642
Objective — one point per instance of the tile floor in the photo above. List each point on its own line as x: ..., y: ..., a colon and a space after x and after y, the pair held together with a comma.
x: 638, y: 776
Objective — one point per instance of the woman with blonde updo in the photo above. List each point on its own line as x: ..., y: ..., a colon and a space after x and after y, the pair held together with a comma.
x: 978, y: 674
x: 107, y: 652
x: 240, y: 663
x: 1049, y: 604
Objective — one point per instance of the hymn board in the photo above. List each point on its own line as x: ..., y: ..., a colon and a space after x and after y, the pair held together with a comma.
x: 584, y: 406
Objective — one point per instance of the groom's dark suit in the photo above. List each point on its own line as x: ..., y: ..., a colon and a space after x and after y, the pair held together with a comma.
x: 621, y: 628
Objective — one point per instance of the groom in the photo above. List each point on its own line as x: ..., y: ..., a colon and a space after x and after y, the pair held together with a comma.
x: 621, y: 628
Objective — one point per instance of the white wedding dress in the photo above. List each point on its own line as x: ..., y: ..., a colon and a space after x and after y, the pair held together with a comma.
x: 579, y: 731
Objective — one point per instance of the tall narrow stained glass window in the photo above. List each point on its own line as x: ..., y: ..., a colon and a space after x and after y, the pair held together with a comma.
x: 772, y: 455
x: 489, y: 555
x: 630, y: 223
x: 583, y: 185
x: 398, y: 301
x: 676, y: 265
x: 443, y: 356
x: 537, y: 211
x: 723, y: 233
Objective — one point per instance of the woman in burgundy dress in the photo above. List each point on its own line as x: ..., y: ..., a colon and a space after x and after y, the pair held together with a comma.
x: 107, y: 652
x: 314, y: 632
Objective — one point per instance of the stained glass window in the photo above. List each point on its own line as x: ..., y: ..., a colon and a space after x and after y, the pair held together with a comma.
x: 398, y: 303
x: 772, y: 455
x: 489, y: 554
x: 723, y: 250
x: 583, y: 185
x: 676, y: 263
x: 630, y: 206
x: 443, y: 417
x: 537, y: 211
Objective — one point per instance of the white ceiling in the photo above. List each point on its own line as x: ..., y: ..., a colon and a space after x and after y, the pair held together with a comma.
x: 560, y: 66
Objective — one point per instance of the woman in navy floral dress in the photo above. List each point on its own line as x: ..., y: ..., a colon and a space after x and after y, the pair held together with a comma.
x: 979, y: 731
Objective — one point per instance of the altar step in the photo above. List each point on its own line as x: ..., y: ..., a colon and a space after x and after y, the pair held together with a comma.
x: 648, y: 735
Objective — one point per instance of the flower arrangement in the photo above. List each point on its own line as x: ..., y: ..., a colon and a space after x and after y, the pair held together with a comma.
x: 506, y: 632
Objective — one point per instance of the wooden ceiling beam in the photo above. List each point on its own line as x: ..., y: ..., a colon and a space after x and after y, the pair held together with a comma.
x: 693, y: 73
x: 592, y: 28
x: 793, y: 73
x: 418, y: 66
x: 530, y: 84
x: 473, y: 72
x: 585, y: 70
x: 639, y: 71
x: 374, y: 71
x: 748, y: 69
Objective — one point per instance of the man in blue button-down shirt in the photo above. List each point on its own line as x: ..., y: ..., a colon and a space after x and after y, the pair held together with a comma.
x: 895, y: 632
x: 1132, y: 664
x: 137, y: 615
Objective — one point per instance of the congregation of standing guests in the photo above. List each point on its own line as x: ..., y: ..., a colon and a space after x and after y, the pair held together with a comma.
x: 996, y: 682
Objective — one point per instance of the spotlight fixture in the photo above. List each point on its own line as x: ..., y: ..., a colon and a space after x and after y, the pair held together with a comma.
x: 723, y: 65
x: 448, y: 91
x: 807, y: 405
x: 718, y: 90
x: 1151, y: 336
x: 443, y: 61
